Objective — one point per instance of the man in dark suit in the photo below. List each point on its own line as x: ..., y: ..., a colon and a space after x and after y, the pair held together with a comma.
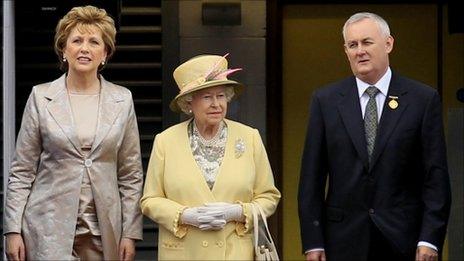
x: 379, y: 138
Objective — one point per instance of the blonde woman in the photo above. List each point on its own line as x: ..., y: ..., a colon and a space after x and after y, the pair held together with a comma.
x: 76, y: 178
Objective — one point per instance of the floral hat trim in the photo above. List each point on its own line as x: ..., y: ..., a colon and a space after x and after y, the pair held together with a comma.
x: 213, y: 74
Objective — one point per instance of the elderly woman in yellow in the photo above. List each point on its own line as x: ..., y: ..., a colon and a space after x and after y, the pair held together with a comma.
x: 205, y: 173
x: 76, y: 178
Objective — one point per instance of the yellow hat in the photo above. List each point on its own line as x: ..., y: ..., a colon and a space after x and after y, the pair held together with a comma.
x: 203, y: 72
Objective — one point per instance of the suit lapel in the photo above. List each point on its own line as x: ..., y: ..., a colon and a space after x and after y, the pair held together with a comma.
x: 60, y: 109
x: 229, y: 153
x: 350, y: 111
x: 109, y: 108
x: 389, y: 118
x: 195, y: 169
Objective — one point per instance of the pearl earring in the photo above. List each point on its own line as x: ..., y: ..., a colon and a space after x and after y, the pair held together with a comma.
x: 190, y: 111
x: 64, y: 59
x: 103, y: 63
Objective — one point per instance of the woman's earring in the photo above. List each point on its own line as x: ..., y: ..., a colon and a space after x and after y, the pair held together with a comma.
x: 190, y: 111
x: 64, y: 59
x: 103, y: 63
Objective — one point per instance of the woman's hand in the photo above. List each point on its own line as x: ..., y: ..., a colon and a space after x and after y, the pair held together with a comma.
x: 203, y: 218
x: 232, y: 212
x: 126, y: 249
x: 15, y: 249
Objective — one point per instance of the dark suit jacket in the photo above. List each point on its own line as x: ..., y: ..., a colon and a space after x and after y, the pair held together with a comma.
x: 405, y: 190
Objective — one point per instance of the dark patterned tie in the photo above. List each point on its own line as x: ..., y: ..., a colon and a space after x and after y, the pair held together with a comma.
x: 371, y: 120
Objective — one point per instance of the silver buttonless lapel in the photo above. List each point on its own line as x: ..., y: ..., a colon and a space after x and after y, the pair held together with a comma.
x: 59, y: 108
x: 108, y: 111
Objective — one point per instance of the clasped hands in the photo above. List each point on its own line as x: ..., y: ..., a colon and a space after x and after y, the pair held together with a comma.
x: 212, y: 216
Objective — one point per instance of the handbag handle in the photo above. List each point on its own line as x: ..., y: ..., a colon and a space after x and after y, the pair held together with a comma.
x: 258, y: 211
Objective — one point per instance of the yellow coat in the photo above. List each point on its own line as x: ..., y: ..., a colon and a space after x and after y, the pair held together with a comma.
x: 174, y: 182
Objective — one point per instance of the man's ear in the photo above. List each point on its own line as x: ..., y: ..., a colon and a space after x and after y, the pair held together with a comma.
x: 389, y: 43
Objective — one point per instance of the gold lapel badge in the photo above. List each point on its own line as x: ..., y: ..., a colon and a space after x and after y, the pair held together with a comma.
x: 393, y: 103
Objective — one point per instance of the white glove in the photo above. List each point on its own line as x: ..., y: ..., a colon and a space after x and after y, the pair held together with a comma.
x: 203, y: 219
x: 232, y: 212
x: 212, y: 220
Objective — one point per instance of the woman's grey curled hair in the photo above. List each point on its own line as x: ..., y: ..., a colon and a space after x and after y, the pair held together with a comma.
x: 185, y: 100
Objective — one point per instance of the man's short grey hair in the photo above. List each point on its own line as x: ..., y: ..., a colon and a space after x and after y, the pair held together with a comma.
x: 185, y: 100
x: 383, y: 25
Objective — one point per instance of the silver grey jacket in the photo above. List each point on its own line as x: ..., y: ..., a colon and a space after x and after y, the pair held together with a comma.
x: 46, y: 173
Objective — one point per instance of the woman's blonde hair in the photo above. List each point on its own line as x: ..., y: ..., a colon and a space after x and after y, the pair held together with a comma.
x: 185, y: 100
x: 83, y: 17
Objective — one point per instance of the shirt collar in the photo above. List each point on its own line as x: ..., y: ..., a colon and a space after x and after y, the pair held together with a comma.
x: 382, y: 84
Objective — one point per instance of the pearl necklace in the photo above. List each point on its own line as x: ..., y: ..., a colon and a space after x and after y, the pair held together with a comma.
x: 213, y: 141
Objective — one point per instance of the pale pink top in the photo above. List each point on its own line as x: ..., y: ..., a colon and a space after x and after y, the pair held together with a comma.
x: 85, y: 110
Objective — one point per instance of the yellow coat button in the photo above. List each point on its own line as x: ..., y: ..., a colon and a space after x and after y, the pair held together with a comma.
x: 205, y: 243
x: 220, y: 244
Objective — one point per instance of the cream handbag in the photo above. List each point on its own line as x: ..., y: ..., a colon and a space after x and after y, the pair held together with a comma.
x: 263, y: 243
